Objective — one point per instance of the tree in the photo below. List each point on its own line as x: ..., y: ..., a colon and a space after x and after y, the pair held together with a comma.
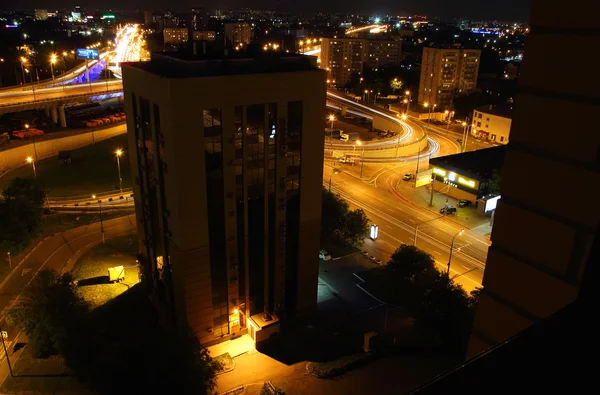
x: 334, y: 210
x: 355, y: 227
x: 46, y: 310
x: 20, y: 213
x: 409, y: 263
x: 396, y: 84
x: 446, y: 308
x: 494, y: 183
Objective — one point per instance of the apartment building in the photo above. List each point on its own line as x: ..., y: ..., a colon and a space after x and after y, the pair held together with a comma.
x: 237, y: 33
x: 342, y: 57
x: 446, y: 72
x: 175, y: 35
x: 492, y: 123
x: 383, y: 53
x: 227, y: 158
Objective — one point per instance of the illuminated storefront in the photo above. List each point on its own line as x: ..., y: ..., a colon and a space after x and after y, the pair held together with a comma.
x: 466, y: 175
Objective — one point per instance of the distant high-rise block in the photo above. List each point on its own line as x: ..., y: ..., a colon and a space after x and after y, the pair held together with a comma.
x: 175, y: 35
x: 446, y: 72
x: 40, y: 14
x: 227, y: 154
x: 237, y: 33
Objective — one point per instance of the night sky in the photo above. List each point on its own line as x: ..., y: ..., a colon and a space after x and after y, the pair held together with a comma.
x: 488, y: 9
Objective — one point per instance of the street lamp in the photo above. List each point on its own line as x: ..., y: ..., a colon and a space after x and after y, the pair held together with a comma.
x: 462, y: 146
x: 402, y: 117
x: 101, y: 222
x: 407, y: 101
x: 335, y: 171
x: 52, y: 61
x: 331, y: 119
x: 118, y: 154
x: 30, y: 160
x: 362, y: 157
x: 23, y: 63
x: 452, y: 247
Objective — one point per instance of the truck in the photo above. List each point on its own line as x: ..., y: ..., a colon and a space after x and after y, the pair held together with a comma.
x: 333, y: 133
x: 349, y: 136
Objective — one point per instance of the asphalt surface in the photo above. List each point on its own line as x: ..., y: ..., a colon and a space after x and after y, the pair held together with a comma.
x: 54, y: 252
x: 397, y: 220
x: 43, y: 94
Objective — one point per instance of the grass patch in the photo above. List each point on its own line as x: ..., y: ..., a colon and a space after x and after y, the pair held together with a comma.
x: 93, y: 169
x: 329, y: 369
x: 91, y: 270
x: 59, y: 222
x: 52, y: 224
x: 41, y: 376
x: 227, y: 363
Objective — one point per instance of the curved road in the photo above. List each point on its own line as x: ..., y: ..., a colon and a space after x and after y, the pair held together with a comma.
x: 56, y: 252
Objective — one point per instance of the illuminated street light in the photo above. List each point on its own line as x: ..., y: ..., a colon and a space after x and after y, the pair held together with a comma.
x: 52, y: 61
x: 331, y: 119
x: 118, y: 154
x: 30, y: 160
x: 452, y: 247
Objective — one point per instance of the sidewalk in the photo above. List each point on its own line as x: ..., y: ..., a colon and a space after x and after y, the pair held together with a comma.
x: 465, y: 216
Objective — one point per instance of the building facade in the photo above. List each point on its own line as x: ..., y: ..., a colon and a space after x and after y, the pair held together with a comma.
x: 492, y: 123
x: 227, y: 155
x: 384, y: 52
x: 545, y: 240
x: 237, y: 33
x: 175, y: 35
x: 342, y: 57
x: 446, y: 72
x: 207, y: 35
x: 40, y: 14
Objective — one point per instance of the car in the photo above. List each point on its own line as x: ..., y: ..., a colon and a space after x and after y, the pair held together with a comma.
x: 365, y: 253
x: 377, y: 261
x: 459, y: 140
x: 324, y: 255
x: 464, y: 203
x: 407, y: 177
x: 458, y: 121
x: 448, y: 210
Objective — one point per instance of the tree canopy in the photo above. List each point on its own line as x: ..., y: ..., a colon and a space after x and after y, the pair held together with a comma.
x: 340, y: 223
x: 20, y: 213
x: 47, y: 308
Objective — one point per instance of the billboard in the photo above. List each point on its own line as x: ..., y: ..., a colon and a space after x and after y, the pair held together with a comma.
x: 491, y: 204
x: 423, y: 178
x: 90, y: 54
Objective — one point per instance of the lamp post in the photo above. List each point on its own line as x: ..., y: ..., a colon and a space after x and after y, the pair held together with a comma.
x: 101, y: 222
x: 9, y: 260
x: 362, y: 157
x: 331, y: 119
x: 334, y: 171
x: 30, y: 160
x: 407, y: 101
x: 52, y: 61
x: 462, y: 146
x: 446, y: 113
x: 118, y: 154
x: 452, y: 247
x: 23, y: 62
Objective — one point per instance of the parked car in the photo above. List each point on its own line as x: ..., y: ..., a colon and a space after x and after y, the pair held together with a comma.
x: 365, y: 253
x: 324, y: 255
x: 464, y: 203
x: 448, y: 210
x: 407, y: 177
x: 377, y: 261
x: 459, y: 140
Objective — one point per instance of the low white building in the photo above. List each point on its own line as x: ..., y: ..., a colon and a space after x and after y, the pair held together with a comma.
x: 492, y: 123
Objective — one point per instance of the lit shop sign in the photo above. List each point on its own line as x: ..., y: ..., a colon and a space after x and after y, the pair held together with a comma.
x: 453, y: 179
x: 374, y: 232
x: 108, y: 16
x: 423, y: 178
x: 491, y: 204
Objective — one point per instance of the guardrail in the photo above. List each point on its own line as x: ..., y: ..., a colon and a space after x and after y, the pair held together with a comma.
x: 63, y: 98
x: 126, y: 191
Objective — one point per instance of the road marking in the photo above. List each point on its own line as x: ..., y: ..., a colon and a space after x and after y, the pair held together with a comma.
x: 436, y: 252
x: 389, y: 226
x: 412, y: 220
x: 25, y: 271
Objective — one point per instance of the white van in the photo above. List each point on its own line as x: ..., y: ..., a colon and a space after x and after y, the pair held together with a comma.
x: 344, y: 136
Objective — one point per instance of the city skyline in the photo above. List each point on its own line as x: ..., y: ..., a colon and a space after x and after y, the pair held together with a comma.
x: 493, y: 10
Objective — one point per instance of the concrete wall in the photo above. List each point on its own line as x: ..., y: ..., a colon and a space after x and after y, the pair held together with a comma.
x: 15, y: 157
x: 543, y: 234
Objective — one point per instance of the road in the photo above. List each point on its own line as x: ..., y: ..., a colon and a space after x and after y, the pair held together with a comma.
x: 54, y: 252
x: 397, y: 220
x: 42, y: 94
